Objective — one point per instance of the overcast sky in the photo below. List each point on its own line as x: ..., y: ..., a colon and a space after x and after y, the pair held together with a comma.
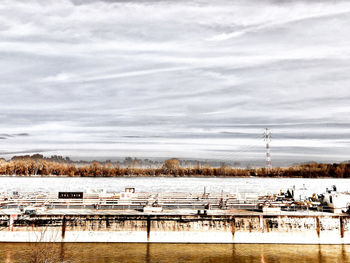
x: 192, y: 79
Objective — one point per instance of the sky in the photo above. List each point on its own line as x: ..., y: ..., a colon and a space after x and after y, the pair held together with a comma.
x: 94, y: 79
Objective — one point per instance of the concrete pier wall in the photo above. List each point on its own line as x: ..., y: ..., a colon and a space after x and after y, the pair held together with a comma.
x: 178, y: 229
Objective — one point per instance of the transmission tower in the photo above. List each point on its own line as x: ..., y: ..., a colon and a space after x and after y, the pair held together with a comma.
x: 267, y: 136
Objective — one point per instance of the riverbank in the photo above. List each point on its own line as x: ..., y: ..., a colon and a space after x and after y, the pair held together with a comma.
x: 29, y: 166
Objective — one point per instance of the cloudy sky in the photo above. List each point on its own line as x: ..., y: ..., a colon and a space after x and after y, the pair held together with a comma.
x: 96, y: 79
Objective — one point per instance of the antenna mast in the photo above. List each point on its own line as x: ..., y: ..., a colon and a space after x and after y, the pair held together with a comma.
x: 267, y: 136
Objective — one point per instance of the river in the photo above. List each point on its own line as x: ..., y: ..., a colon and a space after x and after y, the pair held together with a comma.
x: 167, y: 184
x: 137, y: 252
x: 186, y: 253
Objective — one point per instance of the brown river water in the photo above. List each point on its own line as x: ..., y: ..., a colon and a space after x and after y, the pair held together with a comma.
x: 137, y: 252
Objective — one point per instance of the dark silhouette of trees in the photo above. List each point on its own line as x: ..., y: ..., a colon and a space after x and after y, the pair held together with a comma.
x: 171, y: 164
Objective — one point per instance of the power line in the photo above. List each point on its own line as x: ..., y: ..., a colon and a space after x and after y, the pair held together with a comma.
x: 267, y: 135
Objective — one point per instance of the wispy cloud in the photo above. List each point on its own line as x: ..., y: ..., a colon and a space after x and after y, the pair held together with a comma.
x: 194, y: 79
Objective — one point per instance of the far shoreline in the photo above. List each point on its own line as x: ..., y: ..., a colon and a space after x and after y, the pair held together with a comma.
x: 149, y: 177
x: 38, y: 166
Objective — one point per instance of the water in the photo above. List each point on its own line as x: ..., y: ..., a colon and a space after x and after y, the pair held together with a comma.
x: 129, y: 252
x: 154, y: 184
x: 186, y: 253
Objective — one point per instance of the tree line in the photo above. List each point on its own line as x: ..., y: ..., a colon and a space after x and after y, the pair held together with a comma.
x: 28, y: 166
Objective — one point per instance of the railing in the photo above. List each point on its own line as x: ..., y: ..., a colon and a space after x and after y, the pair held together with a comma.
x: 140, y: 200
x: 134, y: 203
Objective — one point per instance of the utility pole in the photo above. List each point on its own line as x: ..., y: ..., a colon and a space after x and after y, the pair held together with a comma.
x: 267, y: 137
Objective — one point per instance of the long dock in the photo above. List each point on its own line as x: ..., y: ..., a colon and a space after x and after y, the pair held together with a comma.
x: 167, y: 217
x: 175, y: 226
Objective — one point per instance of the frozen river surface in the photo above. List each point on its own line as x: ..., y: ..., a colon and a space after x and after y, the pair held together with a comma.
x: 153, y: 184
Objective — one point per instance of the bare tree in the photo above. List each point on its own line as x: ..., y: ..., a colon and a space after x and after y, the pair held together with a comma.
x: 46, y: 249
